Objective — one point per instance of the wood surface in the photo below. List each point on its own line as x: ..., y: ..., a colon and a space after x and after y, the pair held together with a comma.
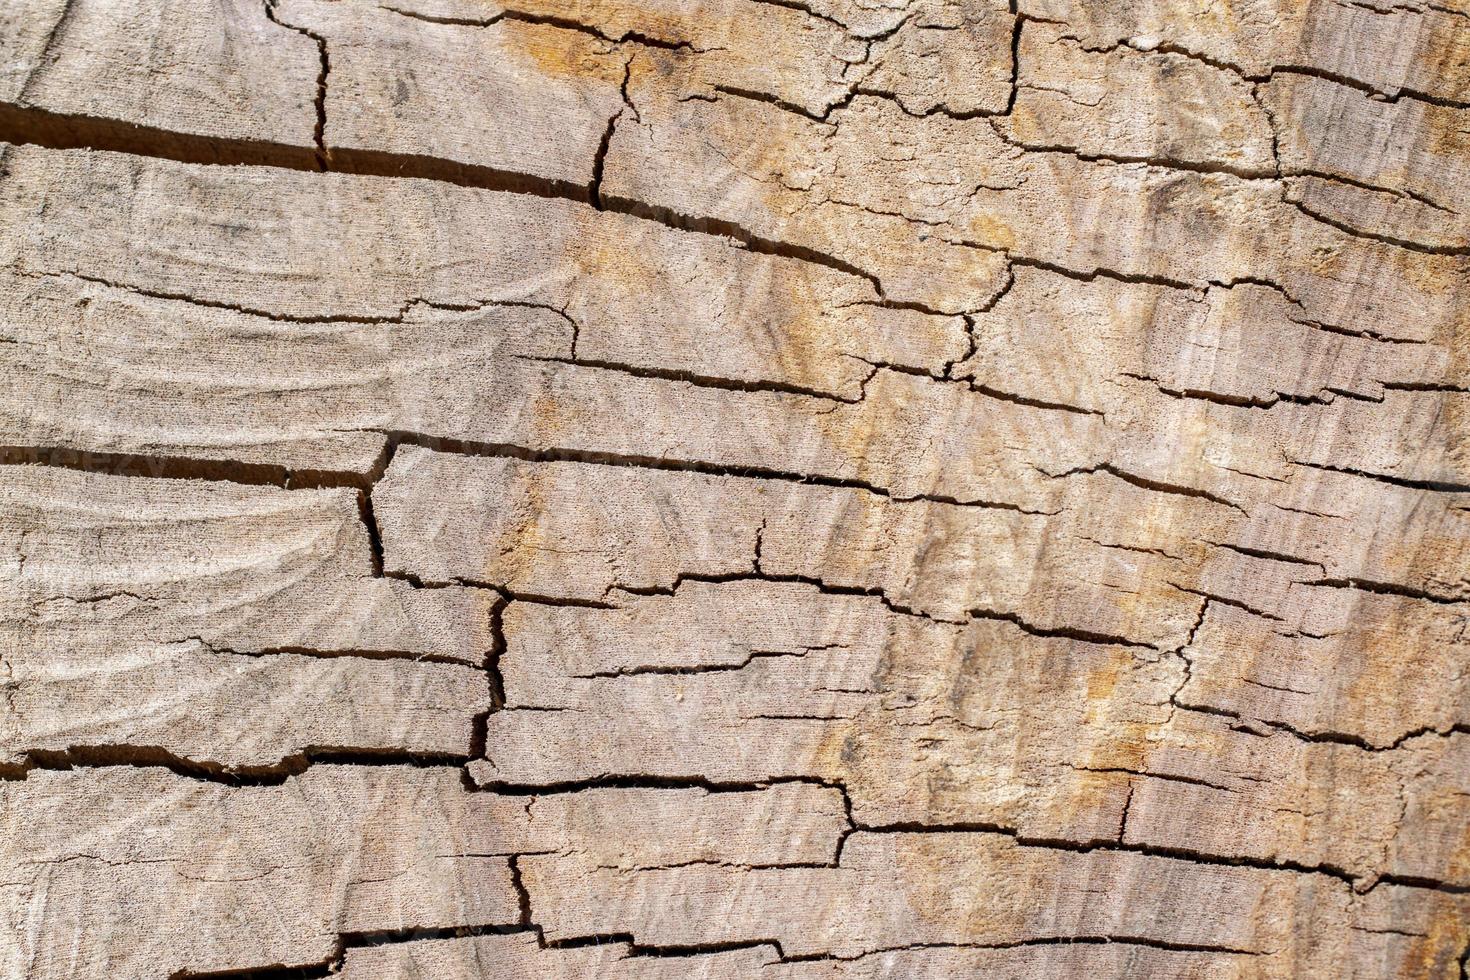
x: 796, y: 489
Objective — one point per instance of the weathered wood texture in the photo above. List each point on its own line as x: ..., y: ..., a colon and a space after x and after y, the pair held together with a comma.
x: 823, y: 490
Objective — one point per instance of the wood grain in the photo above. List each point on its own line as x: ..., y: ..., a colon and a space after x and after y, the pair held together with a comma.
x: 822, y: 490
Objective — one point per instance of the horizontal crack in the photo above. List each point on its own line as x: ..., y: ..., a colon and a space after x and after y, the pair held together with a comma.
x: 686, y: 669
x: 346, y: 941
x: 1059, y: 940
x: 1146, y: 483
x: 1435, y: 486
x: 181, y: 468
x: 693, y: 378
x: 1356, y: 232
x: 1388, y: 588
x: 61, y: 131
x: 1109, y: 844
x: 334, y: 654
x: 397, y: 317
x: 270, y: 474
x: 275, y: 774
x: 1062, y: 632
x: 509, y: 788
x: 466, y: 447
x: 707, y: 225
x: 1324, y: 736
x: 816, y: 583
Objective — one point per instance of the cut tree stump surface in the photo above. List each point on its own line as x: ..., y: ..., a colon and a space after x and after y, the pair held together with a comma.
x: 824, y: 490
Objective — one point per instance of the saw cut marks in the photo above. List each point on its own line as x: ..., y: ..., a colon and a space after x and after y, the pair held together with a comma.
x: 832, y: 490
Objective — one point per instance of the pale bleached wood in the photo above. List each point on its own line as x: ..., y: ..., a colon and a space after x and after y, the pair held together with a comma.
x: 844, y: 696
x: 1275, y: 798
x: 535, y: 528
x: 1247, y: 344
x: 519, y: 958
x: 231, y: 627
x: 141, y: 873
x: 336, y: 414
x: 241, y: 567
x: 946, y: 56
x: 778, y: 188
x: 1341, y: 668
x: 226, y: 70
x: 640, y: 289
x: 323, y: 396
x: 793, y: 682
x: 940, y: 55
x: 493, y: 520
x: 837, y: 488
x: 1260, y: 913
x: 1131, y: 104
x: 482, y: 95
x: 1418, y: 46
x: 1385, y: 168
x: 1393, y: 169
x: 230, y: 710
x: 775, y: 50
x: 27, y: 35
x: 561, y: 529
x: 246, y: 388
x: 214, y: 877
x: 967, y: 198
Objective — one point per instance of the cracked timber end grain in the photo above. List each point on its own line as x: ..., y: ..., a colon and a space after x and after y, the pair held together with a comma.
x: 798, y: 489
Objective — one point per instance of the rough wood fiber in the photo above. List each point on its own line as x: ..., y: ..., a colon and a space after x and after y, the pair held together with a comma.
x: 824, y: 490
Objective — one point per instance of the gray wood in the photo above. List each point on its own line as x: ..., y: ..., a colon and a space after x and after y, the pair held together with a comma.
x: 808, y: 489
